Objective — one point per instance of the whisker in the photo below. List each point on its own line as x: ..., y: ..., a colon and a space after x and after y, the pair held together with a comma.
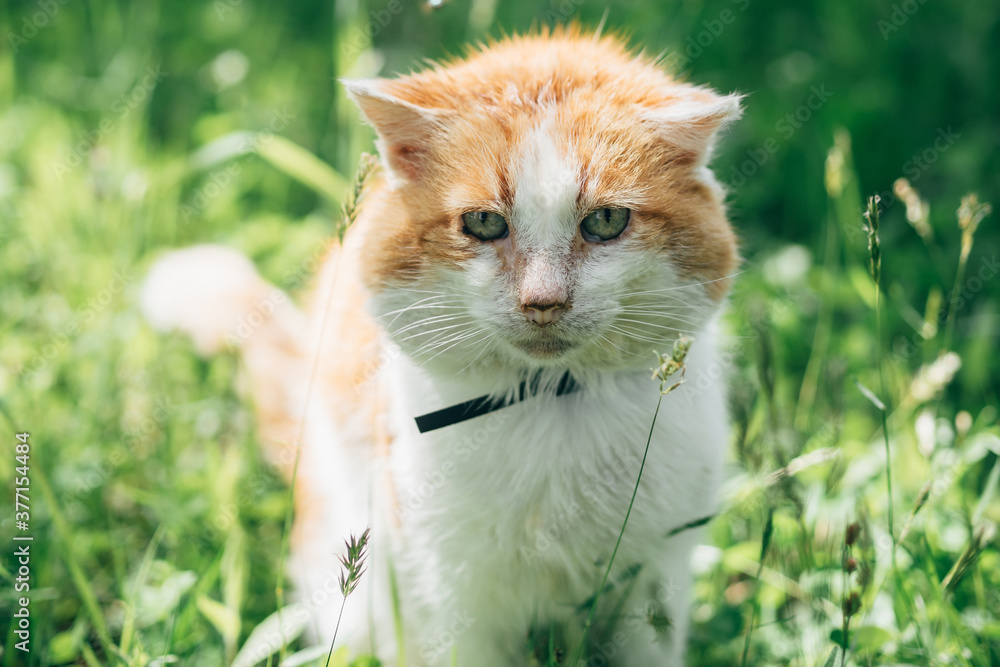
x: 433, y: 319
x: 432, y: 331
x: 688, y: 286
x: 388, y: 325
x: 669, y: 316
x: 612, y: 344
x: 687, y: 309
x: 635, y: 335
x: 661, y: 299
x: 493, y: 339
x: 444, y: 337
x: 451, y: 291
x: 665, y: 301
x: 456, y: 342
x: 658, y: 326
x: 437, y: 342
x: 417, y: 304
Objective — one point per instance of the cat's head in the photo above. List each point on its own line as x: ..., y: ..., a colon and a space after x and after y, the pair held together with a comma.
x: 548, y: 204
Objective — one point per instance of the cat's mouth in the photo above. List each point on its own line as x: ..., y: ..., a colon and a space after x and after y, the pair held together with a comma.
x: 546, y: 348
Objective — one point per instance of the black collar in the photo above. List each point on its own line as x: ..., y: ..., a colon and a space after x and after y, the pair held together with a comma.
x: 478, y: 407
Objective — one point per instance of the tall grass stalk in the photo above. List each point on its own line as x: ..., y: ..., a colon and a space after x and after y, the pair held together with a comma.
x: 765, y: 542
x: 970, y: 214
x: 850, y: 601
x: 841, y: 189
x: 348, y: 215
x: 397, y: 614
x: 279, y: 588
x: 668, y: 367
x: 353, y: 568
x: 875, y: 268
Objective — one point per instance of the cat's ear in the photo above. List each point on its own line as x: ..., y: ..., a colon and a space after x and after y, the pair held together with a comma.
x: 405, y: 130
x: 692, y: 124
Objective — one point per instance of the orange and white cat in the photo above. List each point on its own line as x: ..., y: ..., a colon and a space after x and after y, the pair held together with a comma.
x: 543, y: 210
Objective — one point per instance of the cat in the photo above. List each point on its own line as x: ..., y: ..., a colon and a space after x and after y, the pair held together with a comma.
x: 543, y: 217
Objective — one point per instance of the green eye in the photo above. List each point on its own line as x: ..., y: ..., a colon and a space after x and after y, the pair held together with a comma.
x: 485, y: 225
x: 605, y: 224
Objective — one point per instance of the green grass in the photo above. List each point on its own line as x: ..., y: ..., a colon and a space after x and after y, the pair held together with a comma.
x: 158, y: 526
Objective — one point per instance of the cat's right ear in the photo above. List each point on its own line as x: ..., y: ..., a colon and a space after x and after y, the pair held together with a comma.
x: 692, y: 121
x: 406, y: 132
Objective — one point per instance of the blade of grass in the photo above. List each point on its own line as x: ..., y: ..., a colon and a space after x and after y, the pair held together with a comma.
x: 281, y: 153
x: 140, y: 579
x: 305, y: 167
x: 271, y: 634
x: 80, y: 581
x: 397, y: 616
x: 765, y: 543
x: 89, y: 657
x: 839, y: 172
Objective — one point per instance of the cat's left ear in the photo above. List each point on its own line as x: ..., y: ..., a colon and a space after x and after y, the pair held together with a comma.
x: 406, y: 131
x: 692, y: 123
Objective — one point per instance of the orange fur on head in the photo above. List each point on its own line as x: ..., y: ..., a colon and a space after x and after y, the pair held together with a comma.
x: 451, y: 137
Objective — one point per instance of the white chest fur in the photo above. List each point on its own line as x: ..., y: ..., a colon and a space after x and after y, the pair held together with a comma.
x: 512, y: 516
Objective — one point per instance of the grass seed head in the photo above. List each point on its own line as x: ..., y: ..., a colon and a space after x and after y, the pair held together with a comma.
x: 970, y: 214
x: 349, y: 211
x: 918, y: 212
x: 668, y: 365
x: 874, y: 248
x: 853, y: 531
x: 353, y: 562
x: 981, y: 537
x: 852, y: 604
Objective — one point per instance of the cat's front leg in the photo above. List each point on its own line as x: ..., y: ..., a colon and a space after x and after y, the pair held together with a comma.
x: 463, y: 638
x: 653, y: 630
x: 475, y: 612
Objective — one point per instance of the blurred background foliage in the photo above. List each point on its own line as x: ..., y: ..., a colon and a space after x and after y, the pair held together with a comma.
x: 127, y: 128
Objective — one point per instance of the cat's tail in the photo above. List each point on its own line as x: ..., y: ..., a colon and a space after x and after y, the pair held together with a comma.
x: 215, y: 296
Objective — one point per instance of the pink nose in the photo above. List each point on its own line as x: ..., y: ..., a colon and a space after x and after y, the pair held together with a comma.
x: 543, y: 314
